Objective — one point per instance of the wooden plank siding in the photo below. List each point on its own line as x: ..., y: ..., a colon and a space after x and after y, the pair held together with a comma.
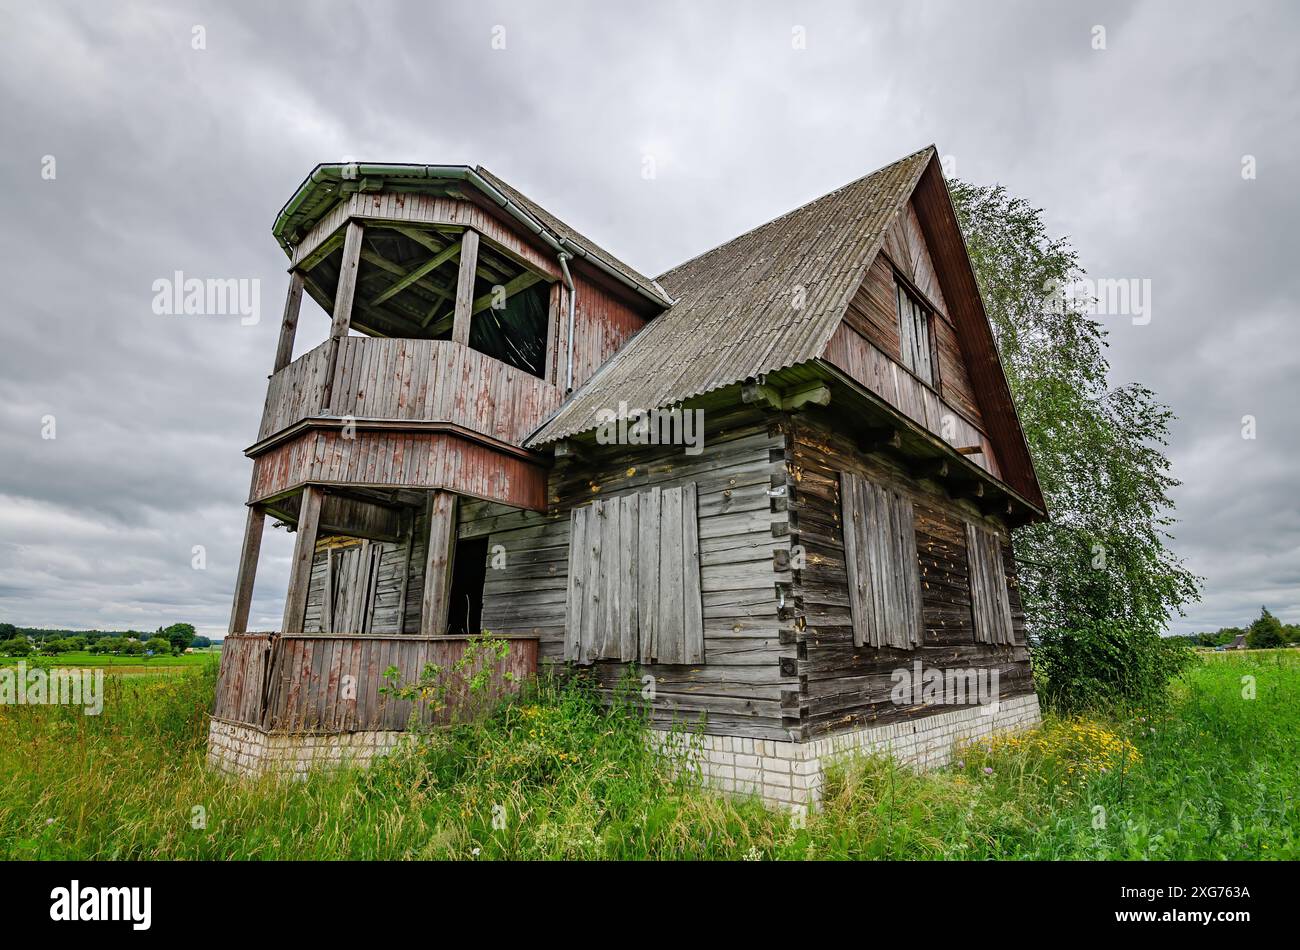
x: 411, y: 380
x: 295, y: 392
x: 879, y: 529
x: 743, y: 558
x: 241, y: 678
x: 990, y: 602
x: 843, y: 686
x: 619, y: 545
x: 869, y: 366
x: 331, y: 682
x: 873, y: 314
x: 384, y: 459
x: 603, y: 323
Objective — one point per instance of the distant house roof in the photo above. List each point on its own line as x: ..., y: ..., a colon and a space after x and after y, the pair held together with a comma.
x: 1238, y: 642
x: 733, y: 318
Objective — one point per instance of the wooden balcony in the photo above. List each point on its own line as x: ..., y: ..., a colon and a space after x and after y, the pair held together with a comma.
x: 329, y: 683
x: 402, y: 413
x: 430, y: 381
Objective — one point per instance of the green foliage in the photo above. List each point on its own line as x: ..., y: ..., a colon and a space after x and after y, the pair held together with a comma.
x: 1212, y: 778
x: 461, y: 688
x: 7, y: 632
x: 1265, y: 632
x: 1101, y: 664
x: 16, y: 647
x: 158, y: 645
x: 180, y: 635
x: 1100, y: 569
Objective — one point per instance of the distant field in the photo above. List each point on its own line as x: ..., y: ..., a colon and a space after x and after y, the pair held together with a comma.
x: 119, y: 664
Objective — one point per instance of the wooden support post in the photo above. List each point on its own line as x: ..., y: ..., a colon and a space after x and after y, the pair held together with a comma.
x: 247, y: 569
x: 289, y: 325
x: 304, y: 549
x: 343, y: 299
x: 347, y: 288
x: 817, y: 394
x: 438, y: 563
x: 465, y: 287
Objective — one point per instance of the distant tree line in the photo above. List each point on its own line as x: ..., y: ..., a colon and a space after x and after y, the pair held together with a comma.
x: 24, y: 641
x: 1265, y: 632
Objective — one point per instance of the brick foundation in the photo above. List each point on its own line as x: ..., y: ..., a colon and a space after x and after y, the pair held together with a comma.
x: 784, y: 774
x: 238, y: 749
x: 788, y: 774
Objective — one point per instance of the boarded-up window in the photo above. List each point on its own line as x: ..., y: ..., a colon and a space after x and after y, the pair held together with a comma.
x: 884, y: 572
x: 990, y: 602
x: 914, y: 335
x: 634, y: 579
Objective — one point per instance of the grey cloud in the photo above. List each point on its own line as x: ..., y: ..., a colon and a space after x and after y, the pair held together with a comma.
x: 172, y: 159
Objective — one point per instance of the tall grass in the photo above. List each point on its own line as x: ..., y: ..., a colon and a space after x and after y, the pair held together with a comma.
x: 557, y: 775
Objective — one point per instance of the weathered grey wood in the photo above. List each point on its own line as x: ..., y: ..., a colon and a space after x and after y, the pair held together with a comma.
x: 438, y: 563
x: 304, y: 549
x: 248, y: 556
x: 692, y: 605
x: 594, y: 610
x: 289, y: 323
x: 990, y: 603
x: 408, y: 548
x: 628, y: 613
x: 670, y: 643
x: 465, y: 287
x: 881, y: 562
x: 577, y: 582
x: 648, y: 605
x: 347, y: 287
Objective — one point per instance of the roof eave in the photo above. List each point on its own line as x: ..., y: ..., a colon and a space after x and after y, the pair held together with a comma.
x: 334, y: 174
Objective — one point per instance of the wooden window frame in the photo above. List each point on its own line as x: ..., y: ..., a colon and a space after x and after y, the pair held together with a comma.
x: 990, y: 595
x: 618, y: 608
x: 905, y: 288
x: 882, y: 567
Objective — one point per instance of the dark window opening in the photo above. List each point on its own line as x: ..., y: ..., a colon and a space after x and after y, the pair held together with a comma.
x: 513, y: 328
x: 468, y: 574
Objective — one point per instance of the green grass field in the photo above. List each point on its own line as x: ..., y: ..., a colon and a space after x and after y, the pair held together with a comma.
x: 1214, y: 776
x: 83, y: 660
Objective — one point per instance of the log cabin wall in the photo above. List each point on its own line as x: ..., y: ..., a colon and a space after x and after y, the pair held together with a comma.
x: 866, y: 345
x: 743, y: 559
x: 842, y: 686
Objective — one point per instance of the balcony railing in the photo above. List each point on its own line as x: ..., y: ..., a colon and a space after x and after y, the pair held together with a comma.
x: 331, y: 682
x: 409, y: 380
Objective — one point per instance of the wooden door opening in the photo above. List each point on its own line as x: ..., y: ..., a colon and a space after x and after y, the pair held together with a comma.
x: 468, y: 573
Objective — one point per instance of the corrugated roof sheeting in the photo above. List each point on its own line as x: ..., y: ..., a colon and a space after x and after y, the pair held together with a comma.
x: 736, y: 315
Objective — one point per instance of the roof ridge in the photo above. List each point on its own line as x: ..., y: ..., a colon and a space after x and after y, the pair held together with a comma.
x: 796, y: 210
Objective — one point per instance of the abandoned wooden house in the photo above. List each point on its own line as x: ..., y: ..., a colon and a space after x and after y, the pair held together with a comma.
x: 779, y: 480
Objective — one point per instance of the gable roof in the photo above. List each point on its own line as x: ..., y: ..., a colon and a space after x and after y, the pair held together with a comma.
x: 735, y: 315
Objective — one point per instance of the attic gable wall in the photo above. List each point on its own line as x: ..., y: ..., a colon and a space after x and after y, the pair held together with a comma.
x: 866, y: 344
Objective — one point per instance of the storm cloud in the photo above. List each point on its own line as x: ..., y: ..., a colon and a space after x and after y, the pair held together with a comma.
x: 145, y: 140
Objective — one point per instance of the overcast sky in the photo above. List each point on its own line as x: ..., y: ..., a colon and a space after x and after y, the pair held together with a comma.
x: 170, y: 158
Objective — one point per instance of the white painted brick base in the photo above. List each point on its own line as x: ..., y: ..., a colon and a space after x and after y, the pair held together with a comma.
x: 782, y: 773
x: 239, y: 749
x: 786, y: 774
